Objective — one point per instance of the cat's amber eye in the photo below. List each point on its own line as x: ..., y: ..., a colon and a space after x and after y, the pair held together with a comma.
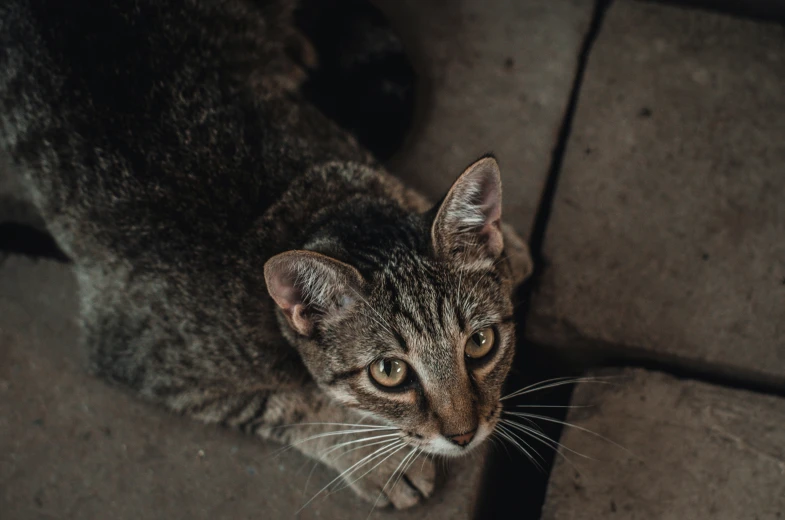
x: 480, y: 343
x: 389, y: 372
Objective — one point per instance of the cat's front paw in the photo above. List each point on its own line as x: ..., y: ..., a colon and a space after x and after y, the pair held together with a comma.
x: 385, y: 485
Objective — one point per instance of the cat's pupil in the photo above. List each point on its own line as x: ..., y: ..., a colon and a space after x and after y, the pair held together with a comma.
x: 479, y: 338
x: 387, y: 369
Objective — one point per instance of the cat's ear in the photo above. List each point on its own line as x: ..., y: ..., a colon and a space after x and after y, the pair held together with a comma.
x: 307, y: 286
x: 467, y: 226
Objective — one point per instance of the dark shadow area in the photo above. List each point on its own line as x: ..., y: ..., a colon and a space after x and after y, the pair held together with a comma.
x: 514, y: 486
x: 364, y: 81
x: 27, y: 240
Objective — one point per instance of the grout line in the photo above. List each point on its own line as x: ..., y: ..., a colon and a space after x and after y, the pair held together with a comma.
x: 513, y: 486
x: 597, y: 355
x: 699, y: 372
x: 557, y: 155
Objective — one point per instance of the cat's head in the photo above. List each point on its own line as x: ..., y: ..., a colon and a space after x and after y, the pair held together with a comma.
x: 414, y: 325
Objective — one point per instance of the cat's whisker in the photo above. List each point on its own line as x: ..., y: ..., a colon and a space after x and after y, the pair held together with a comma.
x: 542, y: 385
x: 424, y: 460
x: 323, y: 435
x: 516, y: 436
x: 516, y: 440
x: 357, y: 425
x: 570, y: 425
x: 549, y: 406
x: 532, y: 424
x: 400, y: 465
x: 308, y: 480
x: 348, y: 471
x: 386, y: 438
x: 552, y: 383
x: 498, y: 441
x: 418, y: 452
x: 358, y: 448
x: 347, y: 484
x: 541, y: 437
x: 533, y: 385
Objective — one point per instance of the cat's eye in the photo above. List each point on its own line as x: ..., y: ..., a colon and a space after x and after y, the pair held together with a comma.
x: 481, y: 343
x: 389, y: 372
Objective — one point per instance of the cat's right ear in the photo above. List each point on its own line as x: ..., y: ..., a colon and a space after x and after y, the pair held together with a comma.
x: 307, y: 285
x: 468, y: 222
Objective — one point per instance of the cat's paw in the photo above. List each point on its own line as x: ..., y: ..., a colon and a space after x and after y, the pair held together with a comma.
x: 383, y: 488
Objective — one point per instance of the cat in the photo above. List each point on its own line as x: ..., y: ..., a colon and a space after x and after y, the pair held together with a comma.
x: 240, y: 258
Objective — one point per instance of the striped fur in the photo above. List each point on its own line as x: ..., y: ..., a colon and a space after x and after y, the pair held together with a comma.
x: 171, y: 156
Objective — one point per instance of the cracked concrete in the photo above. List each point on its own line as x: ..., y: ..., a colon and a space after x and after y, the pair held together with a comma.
x: 496, y: 77
x: 667, y: 233
x: 666, y: 241
x: 695, y: 451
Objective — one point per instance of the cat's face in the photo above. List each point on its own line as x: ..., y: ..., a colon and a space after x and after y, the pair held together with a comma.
x: 425, y: 341
x: 427, y: 350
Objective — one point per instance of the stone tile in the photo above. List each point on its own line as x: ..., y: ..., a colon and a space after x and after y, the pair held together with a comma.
x: 667, y: 236
x: 700, y: 452
x: 496, y: 77
x: 73, y: 447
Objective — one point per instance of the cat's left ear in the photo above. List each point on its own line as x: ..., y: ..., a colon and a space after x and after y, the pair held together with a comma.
x: 309, y: 287
x: 467, y: 226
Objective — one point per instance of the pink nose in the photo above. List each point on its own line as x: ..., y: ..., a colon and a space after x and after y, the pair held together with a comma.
x: 463, y: 439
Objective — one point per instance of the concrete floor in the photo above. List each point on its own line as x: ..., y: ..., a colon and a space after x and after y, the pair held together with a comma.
x: 664, y: 248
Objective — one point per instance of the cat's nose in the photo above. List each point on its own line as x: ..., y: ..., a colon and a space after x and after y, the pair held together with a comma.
x: 464, y: 438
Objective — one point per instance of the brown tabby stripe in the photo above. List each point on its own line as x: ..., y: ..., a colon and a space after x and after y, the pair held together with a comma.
x: 343, y: 376
x: 237, y: 410
x: 254, y: 422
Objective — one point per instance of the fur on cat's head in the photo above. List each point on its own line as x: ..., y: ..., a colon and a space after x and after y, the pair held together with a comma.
x: 418, y: 298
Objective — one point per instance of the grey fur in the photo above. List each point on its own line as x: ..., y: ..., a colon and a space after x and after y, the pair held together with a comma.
x: 171, y: 156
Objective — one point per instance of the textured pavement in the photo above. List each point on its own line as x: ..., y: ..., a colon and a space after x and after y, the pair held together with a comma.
x: 665, y: 247
x: 667, y: 234
x: 693, y: 451
x: 495, y: 76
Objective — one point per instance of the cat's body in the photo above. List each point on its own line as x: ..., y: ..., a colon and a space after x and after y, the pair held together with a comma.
x: 167, y: 148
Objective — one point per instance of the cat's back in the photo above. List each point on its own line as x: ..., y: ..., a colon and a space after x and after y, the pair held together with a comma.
x: 147, y: 124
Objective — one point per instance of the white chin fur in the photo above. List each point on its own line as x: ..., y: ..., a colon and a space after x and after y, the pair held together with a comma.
x: 442, y: 446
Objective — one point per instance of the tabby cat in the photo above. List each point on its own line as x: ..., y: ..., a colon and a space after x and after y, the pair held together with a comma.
x: 240, y: 258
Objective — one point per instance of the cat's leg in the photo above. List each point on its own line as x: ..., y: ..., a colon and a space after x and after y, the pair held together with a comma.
x: 139, y: 351
x: 368, y: 456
